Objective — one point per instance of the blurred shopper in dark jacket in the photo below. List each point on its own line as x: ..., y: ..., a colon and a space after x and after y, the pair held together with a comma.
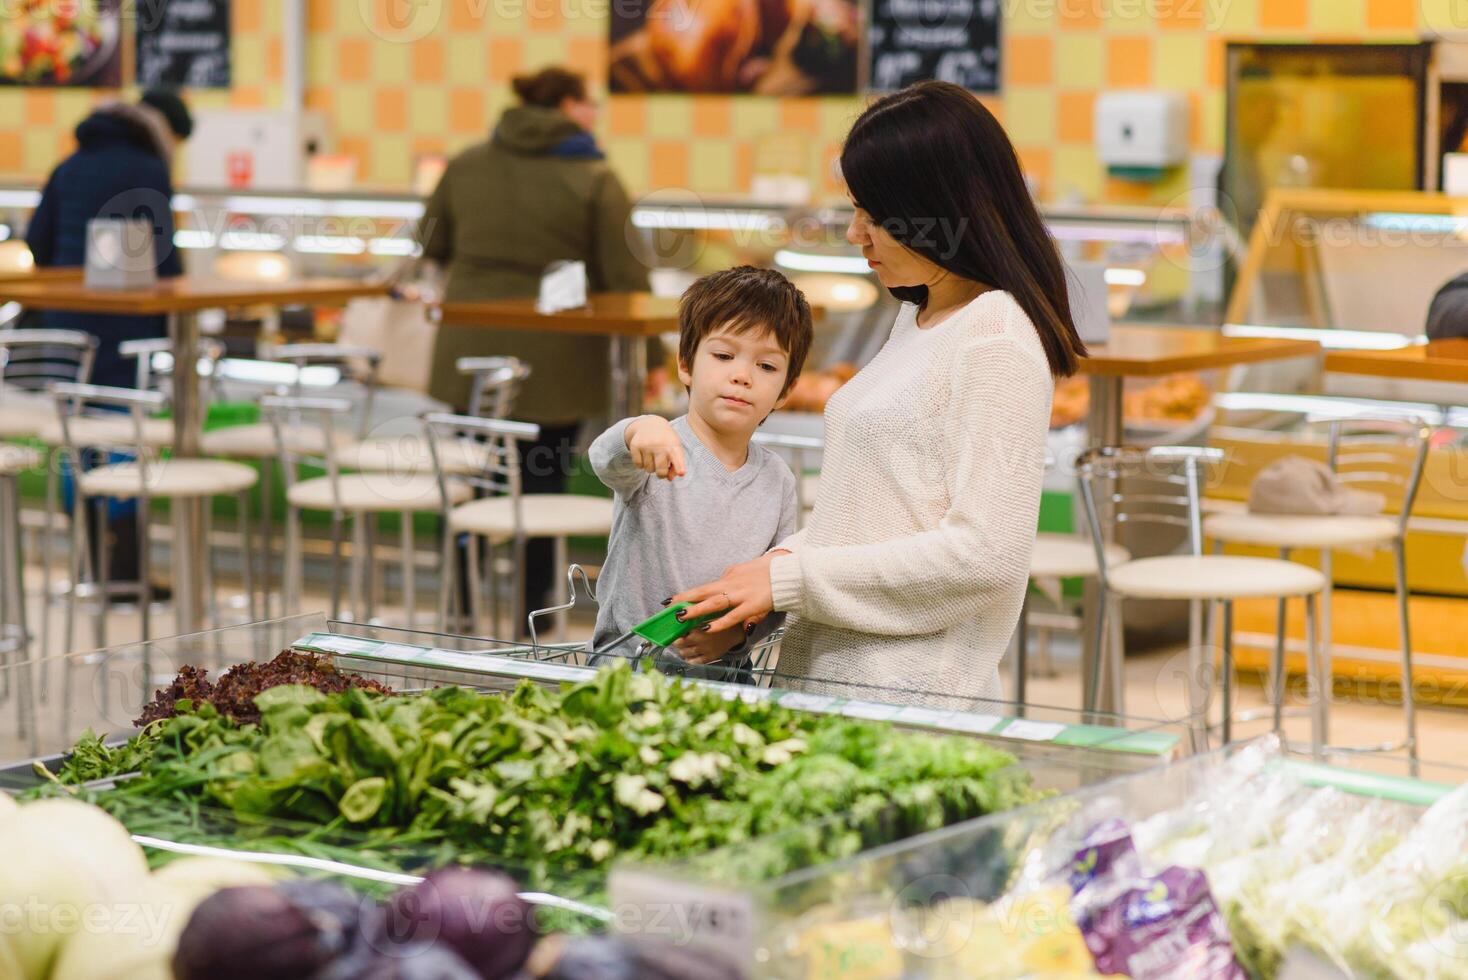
x: 537, y: 191
x: 120, y: 170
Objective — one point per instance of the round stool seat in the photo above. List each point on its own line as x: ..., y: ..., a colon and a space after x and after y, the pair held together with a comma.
x: 409, y: 455
x: 1214, y: 577
x: 17, y: 459
x: 546, y: 515
x: 1301, y: 530
x: 24, y: 416
x: 108, y: 433
x: 170, y: 478
x: 374, y: 493
x: 257, y: 441
x: 1070, y: 556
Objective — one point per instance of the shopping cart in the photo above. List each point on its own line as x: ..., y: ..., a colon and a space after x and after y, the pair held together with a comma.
x: 650, y: 640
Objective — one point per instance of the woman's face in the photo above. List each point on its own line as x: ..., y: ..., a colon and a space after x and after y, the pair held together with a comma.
x: 894, y: 263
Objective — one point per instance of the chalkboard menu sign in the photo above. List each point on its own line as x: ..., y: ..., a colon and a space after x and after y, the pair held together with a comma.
x: 947, y: 40
x: 183, y: 43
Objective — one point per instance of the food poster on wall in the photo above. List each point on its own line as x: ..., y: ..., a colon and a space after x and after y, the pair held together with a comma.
x: 947, y: 40
x: 61, y: 42
x: 183, y: 43
x: 761, y: 47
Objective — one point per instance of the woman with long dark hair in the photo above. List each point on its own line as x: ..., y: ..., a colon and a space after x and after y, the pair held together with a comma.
x: 911, y: 570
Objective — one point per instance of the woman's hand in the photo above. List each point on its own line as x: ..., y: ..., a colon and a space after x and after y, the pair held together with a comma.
x: 703, y: 646
x: 655, y: 447
x: 743, y: 595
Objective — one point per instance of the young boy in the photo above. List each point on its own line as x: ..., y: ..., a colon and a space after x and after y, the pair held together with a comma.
x: 693, y: 495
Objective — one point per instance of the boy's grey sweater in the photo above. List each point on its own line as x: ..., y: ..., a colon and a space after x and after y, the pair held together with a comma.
x: 671, y: 536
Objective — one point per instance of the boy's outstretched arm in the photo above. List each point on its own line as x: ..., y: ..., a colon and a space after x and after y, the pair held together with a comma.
x: 612, y: 461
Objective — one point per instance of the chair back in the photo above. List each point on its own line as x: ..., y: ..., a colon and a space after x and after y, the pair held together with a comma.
x: 129, y: 409
x: 32, y: 360
x: 800, y: 452
x: 1385, y: 456
x: 289, y: 417
x: 359, y: 364
x: 154, y: 357
x: 493, y: 445
x: 494, y: 385
x: 1126, y: 486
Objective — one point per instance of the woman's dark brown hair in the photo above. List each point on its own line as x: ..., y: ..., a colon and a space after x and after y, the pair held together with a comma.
x: 935, y: 169
x: 549, y: 87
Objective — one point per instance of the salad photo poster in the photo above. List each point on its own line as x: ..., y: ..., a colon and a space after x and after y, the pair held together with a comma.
x: 62, y: 42
x: 759, y: 47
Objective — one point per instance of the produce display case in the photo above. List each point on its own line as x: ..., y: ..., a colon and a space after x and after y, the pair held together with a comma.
x: 1284, y: 845
x: 104, y: 692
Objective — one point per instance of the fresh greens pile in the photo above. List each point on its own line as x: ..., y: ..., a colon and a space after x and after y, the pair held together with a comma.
x: 558, y: 783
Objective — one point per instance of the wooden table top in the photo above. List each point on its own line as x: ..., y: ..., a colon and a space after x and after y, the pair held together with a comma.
x: 1145, y: 351
x: 605, y: 315
x: 182, y: 295
x: 67, y: 273
x: 1442, y: 360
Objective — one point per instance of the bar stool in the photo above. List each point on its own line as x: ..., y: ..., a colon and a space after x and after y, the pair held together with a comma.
x: 257, y: 441
x: 1388, y: 455
x: 1055, y: 557
x: 144, y: 478
x: 503, y: 514
x: 362, y: 495
x: 1193, y: 576
x: 30, y: 362
x: 15, y: 637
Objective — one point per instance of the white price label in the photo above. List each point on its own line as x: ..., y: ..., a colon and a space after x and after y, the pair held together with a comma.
x: 806, y: 702
x: 963, y: 721
x: 914, y: 715
x: 668, y: 909
x: 1032, y: 731
x: 870, y: 710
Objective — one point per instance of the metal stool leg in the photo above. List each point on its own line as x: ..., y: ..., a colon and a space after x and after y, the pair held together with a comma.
x: 145, y: 575
x: 104, y: 585
x: 472, y: 561
x: 1228, y: 671
x: 447, y: 576
x: 1319, y: 684
x: 563, y: 618
x: 267, y: 534
x: 1098, y: 642
x: 53, y: 461
x: 495, y: 617
x: 11, y: 637
x: 291, y: 573
x: 1409, y: 689
x: 1118, y: 658
x: 359, y: 547
x: 410, y: 592
x: 211, y: 592
x: 369, y: 564
x: 1277, y: 662
x: 1022, y: 652
x: 336, y: 565
x: 247, y: 554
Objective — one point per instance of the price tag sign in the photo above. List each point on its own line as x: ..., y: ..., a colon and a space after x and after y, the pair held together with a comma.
x: 927, y: 717
x: 962, y: 721
x: 664, y: 908
x: 806, y: 702
x: 1032, y: 731
x: 870, y: 710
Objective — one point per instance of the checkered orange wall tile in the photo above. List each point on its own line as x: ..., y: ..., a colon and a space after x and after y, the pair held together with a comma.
x: 393, y: 89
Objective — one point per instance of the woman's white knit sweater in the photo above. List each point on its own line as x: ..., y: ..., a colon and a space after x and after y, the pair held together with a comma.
x: 910, y: 572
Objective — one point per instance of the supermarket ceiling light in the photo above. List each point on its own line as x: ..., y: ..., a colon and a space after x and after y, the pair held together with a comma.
x: 1444, y: 224
x: 809, y: 262
x: 317, y: 207
x: 18, y: 198
x: 393, y: 246
x: 251, y: 241
x: 1329, y: 339
x: 193, y: 238
x: 716, y: 219
x: 1125, y: 277
x: 329, y: 245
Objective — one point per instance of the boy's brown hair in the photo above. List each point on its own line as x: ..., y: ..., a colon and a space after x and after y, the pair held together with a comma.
x: 745, y: 299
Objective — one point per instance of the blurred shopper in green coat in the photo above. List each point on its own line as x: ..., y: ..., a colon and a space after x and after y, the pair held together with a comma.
x: 539, y: 190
